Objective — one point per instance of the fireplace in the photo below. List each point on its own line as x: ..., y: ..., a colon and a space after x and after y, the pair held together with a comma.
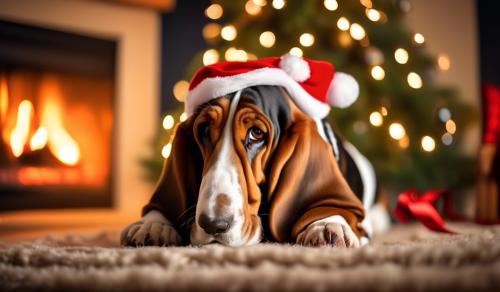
x: 56, y: 118
x: 106, y: 86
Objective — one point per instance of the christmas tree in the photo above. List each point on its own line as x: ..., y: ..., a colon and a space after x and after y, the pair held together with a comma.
x: 409, y: 127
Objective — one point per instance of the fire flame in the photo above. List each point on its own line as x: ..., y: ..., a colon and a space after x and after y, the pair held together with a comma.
x: 39, y: 139
x: 60, y: 142
x: 4, y: 100
x: 51, y: 132
x: 19, y: 135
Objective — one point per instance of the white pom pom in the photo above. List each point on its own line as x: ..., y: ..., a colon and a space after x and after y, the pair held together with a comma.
x: 295, y: 67
x: 344, y: 90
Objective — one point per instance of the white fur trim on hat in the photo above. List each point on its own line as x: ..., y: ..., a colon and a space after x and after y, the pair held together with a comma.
x: 343, y: 91
x: 296, y: 67
x: 211, y: 88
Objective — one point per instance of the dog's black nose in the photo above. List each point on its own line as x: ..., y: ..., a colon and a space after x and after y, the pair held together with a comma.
x: 216, y: 225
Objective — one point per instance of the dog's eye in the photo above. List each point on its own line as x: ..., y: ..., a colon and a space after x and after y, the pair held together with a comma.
x: 255, y: 135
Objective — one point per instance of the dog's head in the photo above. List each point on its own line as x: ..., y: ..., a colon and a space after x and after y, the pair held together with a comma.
x: 239, y: 149
x: 237, y: 136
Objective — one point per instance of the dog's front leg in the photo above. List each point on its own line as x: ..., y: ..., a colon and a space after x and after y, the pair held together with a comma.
x: 332, y: 231
x: 153, y: 229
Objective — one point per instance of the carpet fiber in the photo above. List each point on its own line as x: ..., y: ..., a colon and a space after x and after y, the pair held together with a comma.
x: 407, y: 258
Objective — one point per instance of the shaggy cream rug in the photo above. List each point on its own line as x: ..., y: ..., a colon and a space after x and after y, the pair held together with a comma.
x: 407, y: 258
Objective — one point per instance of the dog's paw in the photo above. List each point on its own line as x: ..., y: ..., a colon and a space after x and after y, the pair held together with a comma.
x: 150, y: 231
x: 324, y: 233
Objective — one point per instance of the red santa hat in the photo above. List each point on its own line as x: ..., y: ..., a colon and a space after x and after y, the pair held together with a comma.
x: 313, y: 85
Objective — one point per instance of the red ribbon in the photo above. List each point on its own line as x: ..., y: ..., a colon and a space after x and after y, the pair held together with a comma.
x: 491, y: 106
x: 411, y: 205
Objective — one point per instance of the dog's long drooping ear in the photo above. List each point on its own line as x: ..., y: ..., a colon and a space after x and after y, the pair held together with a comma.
x: 178, y: 187
x: 306, y: 184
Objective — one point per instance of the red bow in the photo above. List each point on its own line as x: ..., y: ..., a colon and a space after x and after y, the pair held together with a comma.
x: 491, y: 105
x: 410, y: 205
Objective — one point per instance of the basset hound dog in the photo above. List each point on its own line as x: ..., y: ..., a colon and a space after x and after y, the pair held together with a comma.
x: 252, y: 166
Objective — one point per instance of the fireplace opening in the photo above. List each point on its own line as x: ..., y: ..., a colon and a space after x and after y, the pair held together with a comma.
x: 56, y: 118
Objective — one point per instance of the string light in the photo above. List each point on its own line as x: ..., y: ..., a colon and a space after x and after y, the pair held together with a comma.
x: 296, y: 52
x: 428, y: 144
x: 230, y: 54
x: 444, y: 114
x: 183, y: 117
x: 401, y: 56
x: 373, y: 15
x: 168, y: 122
x: 181, y: 89
x: 252, y: 8
x: 404, y: 5
x: 383, y: 111
x: 260, y: 3
x: 397, y: 131
x: 419, y: 38
x: 364, y: 42
x: 444, y: 62
x: 373, y: 56
x: 251, y: 56
x: 343, y: 24
x: 233, y: 54
x: 331, y: 5
x: 366, y: 3
x: 378, y: 73
x: 306, y: 39
x: 404, y: 142
x: 210, y: 57
x: 376, y: 119
x: 229, y: 32
x: 166, y: 150
x: 357, y: 31
x: 267, y: 39
x: 278, y: 4
x: 359, y: 127
x: 241, y: 55
x: 211, y: 31
x: 447, y: 139
x: 214, y: 11
x: 451, y: 127
x: 414, y: 80
x: 345, y: 39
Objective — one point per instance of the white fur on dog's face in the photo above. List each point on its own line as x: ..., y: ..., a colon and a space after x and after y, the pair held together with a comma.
x: 221, y: 178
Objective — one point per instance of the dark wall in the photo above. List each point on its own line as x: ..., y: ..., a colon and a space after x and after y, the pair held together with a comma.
x: 489, y: 40
x: 181, y: 40
x: 31, y: 47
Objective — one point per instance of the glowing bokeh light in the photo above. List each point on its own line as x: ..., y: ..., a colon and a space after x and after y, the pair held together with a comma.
x: 397, y: 131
